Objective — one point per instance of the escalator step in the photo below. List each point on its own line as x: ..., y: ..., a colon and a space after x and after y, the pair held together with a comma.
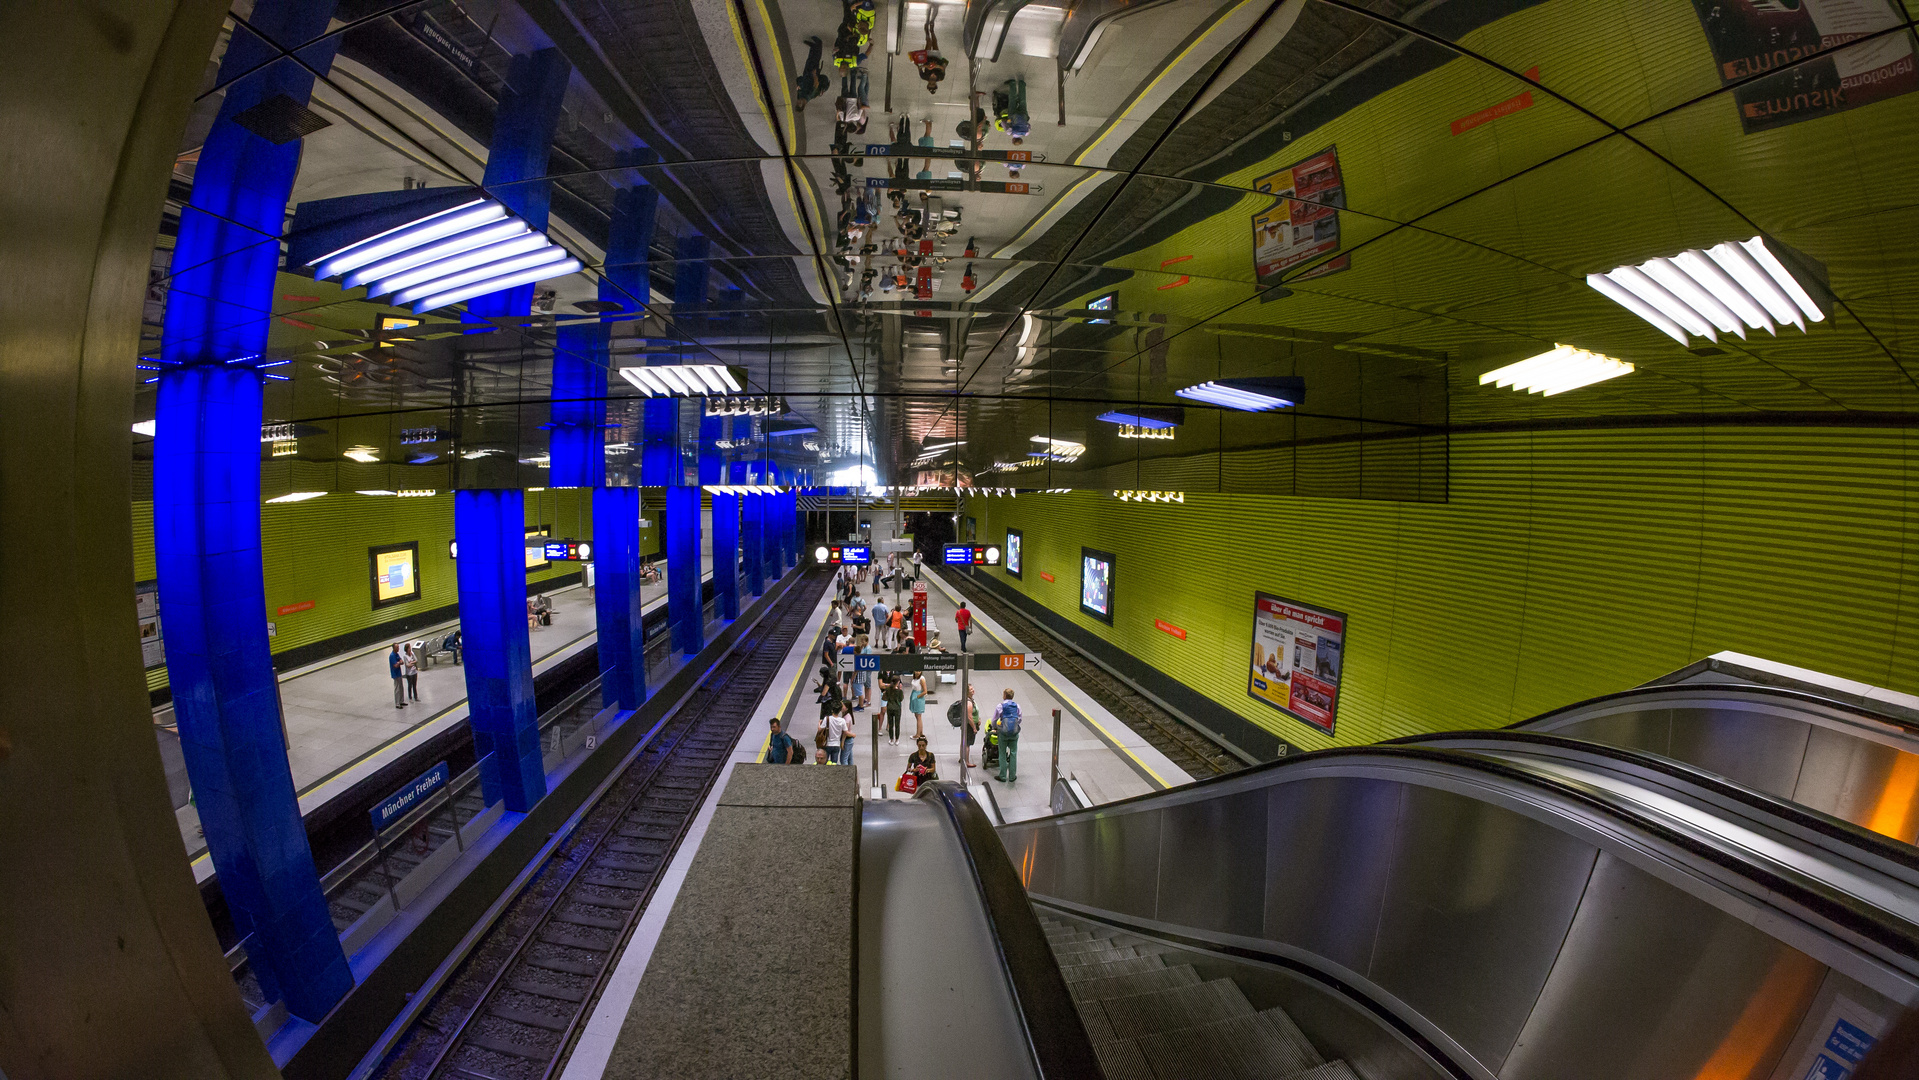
x: 1336, y: 1070
x: 1083, y: 972
x: 1063, y: 937
x: 1098, y: 1028
x: 1183, y: 1006
x: 1100, y: 955
x: 1247, y: 1047
x: 1089, y: 945
x: 1122, y: 1061
x: 1144, y: 982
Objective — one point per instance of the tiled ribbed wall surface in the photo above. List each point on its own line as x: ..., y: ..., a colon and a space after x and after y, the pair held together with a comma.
x: 317, y: 551
x: 1564, y: 565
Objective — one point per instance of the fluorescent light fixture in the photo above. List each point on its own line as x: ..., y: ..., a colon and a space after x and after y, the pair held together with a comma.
x: 1150, y: 496
x: 1249, y: 395
x: 365, y: 455
x: 1565, y: 368
x: 1730, y: 288
x: 1057, y: 449
x: 683, y: 380
x: 376, y: 493
x: 144, y: 427
x: 743, y: 489
x: 415, y: 493
x: 1145, y: 416
x: 507, y: 281
x: 484, y: 276
x: 438, y: 275
x: 460, y: 218
x: 1134, y: 431
x: 297, y: 496
x: 480, y: 238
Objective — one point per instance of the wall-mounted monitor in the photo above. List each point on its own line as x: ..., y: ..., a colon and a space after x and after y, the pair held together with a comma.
x: 1015, y: 541
x: 1104, y: 303
x: 1096, y: 583
x: 396, y: 573
x: 849, y: 555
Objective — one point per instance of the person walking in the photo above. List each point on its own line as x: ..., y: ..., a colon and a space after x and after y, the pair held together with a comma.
x: 930, y: 62
x: 970, y: 714
x: 396, y: 667
x: 893, y: 696
x: 1006, y: 726
x: 812, y: 81
x: 410, y: 666
x: 963, y: 622
x: 1017, y: 123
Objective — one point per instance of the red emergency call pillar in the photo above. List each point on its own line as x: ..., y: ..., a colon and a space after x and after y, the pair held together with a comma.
x: 919, y: 613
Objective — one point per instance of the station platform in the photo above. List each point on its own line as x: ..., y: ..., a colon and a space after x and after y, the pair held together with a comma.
x: 1108, y: 759
x: 342, y: 725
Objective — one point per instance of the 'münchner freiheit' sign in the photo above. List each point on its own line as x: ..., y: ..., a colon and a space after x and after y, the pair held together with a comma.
x: 395, y: 806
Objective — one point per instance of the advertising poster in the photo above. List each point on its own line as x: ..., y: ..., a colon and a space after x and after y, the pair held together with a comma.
x: 146, y: 607
x: 1752, y: 37
x: 1303, y: 221
x: 1298, y: 652
x: 1014, y: 541
x: 396, y: 576
x: 1096, y: 584
x: 536, y: 552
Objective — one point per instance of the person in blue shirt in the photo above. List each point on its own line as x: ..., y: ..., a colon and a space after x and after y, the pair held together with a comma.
x: 880, y: 615
x: 397, y: 669
x: 781, y: 748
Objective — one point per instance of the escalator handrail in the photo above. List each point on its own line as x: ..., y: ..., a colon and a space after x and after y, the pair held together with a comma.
x: 1777, y: 693
x: 1825, y: 825
x: 1054, y: 1031
x: 1837, y: 908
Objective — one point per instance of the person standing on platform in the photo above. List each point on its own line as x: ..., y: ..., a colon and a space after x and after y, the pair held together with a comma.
x: 917, y: 702
x: 893, y: 696
x: 781, y: 748
x: 963, y: 622
x: 898, y: 626
x: 1006, y: 725
x: 880, y: 623
x: 396, y: 667
x: 849, y: 730
x: 410, y: 667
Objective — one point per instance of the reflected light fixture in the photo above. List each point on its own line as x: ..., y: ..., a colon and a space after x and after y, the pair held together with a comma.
x: 1249, y: 395
x: 685, y: 380
x: 296, y: 496
x: 1136, y: 431
x: 456, y: 254
x: 415, y: 493
x: 1565, y: 368
x: 1057, y: 449
x: 1725, y: 289
x: 365, y: 455
x: 743, y: 489
x: 1150, y: 496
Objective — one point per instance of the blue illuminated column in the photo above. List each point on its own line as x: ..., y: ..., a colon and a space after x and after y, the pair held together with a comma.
x: 790, y: 519
x: 771, y: 541
x: 206, y: 512
x: 516, y: 160
x: 616, y: 596
x: 751, y: 564
x: 726, y: 520
x: 490, y: 527
x: 683, y: 607
x: 575, y: 445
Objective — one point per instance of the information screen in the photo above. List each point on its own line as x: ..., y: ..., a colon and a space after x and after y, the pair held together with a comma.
x: 1014, y: 541
x: 1298, y: 654
x: 1096, y: 583
x: 396, y: 575
x: 850, y: 555
x: 535, y: 553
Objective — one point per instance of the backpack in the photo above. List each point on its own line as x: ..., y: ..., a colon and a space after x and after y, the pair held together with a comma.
x: 1009, y: 718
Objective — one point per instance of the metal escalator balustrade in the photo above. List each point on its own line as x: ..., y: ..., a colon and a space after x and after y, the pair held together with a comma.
x: 1840, y: 759
x: 1517, y: 918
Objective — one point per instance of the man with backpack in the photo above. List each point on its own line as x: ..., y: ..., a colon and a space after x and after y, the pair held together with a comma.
x: 783, y: 749
x: 1006, y: 726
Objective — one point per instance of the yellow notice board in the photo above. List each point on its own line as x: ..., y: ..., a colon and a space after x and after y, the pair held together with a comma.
x: 396, y: 573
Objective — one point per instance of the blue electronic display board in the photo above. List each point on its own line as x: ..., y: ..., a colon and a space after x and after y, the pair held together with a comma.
x: 971, y: 555
x: 849, y: 554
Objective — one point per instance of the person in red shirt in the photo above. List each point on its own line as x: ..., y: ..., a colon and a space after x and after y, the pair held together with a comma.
x: 962, y: 621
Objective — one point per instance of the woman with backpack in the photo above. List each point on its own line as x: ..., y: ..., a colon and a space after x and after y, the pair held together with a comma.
x: 1006, y: 732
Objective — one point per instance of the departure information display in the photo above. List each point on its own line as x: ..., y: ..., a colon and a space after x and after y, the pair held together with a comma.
x: 569, y: 551
x: 849, y: 554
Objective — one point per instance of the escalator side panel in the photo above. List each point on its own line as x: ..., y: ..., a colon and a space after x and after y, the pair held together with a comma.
x: 1202, y: 839
x: 1328, y: 865
x: 1647, y: 729
x: 1761, y: 750
x: 1701, y: 993
x: 1127, y: 873
x: 1861, y: 781
x: 1477, y: 904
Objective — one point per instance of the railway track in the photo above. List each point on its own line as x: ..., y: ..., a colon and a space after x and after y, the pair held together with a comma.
x: 514, y: 1008
x: 1191, y: 750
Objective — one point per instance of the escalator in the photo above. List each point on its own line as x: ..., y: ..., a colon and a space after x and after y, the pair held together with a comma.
x: 1453, y: 910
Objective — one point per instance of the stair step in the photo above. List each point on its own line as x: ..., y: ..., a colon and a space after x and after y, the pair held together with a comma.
x: 1183, y: 1006
x: 1253, y: 1047
x: 1142, y: 982
x: 1083, y: 972
x: 1122, y: 1061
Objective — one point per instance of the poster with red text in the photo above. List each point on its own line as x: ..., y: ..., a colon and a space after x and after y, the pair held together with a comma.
x: 1813, y: 58
x: 1303, y: 221
x: 1298, y: 652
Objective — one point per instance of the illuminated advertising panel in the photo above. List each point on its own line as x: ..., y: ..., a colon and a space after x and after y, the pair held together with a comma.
x: 1096, y: 583
x: 396, y: 573
x: 1299, y: 653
